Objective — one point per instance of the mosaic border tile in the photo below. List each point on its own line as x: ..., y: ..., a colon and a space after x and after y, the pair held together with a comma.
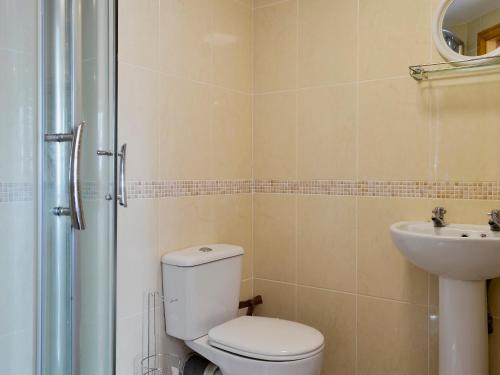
x: 15, y: 192
x: 486, y: 190
x: 403, y: 189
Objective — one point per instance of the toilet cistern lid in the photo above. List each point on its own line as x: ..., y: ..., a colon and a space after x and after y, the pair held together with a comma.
x: 267, y: 338
x: 197, y: 255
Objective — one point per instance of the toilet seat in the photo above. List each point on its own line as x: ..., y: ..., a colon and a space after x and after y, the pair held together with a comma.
x: 267, y: 339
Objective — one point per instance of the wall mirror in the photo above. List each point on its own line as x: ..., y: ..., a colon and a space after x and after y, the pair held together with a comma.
x: 467, y: 29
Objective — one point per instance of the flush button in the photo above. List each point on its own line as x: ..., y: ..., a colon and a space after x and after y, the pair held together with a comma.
x: 205, y: 249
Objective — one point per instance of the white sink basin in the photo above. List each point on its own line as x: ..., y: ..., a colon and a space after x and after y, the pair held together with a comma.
x: 457, y: 251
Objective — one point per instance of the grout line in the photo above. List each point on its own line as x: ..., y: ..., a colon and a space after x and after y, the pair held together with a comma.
x: 273, y: 3
x: 363, y: 295
x: 296, y: 200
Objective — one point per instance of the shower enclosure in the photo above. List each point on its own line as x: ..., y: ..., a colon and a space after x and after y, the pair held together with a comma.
x: 58, y: 158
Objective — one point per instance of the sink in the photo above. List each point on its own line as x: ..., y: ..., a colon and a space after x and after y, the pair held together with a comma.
x: 457, y: 251
x: 464, y: 256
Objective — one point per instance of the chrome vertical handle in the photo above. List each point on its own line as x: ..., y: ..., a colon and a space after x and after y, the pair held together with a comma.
x: 122, y: 179
x: 75, y: 201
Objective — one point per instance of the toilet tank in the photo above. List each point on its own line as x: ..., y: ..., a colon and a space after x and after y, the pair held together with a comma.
x: 201, y: 287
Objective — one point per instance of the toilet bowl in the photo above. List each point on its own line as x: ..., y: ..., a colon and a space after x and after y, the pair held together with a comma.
x: 201, y: 286
x: 256, y: 345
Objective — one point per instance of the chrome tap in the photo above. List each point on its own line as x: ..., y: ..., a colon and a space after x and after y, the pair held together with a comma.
x: 438, y: 217
x: 494, y: 221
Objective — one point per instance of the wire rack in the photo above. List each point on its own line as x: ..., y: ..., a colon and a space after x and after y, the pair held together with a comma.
x: 154, y: 362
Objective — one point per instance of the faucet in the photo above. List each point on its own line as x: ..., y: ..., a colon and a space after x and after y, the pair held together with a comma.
x: 494, y: 221
x: 438, y: 217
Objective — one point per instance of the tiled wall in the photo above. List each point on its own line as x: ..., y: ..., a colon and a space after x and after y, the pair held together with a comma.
x: 18, y: 223
x: 185, y: 110
x: 292, y: 128
x: 346, y: 143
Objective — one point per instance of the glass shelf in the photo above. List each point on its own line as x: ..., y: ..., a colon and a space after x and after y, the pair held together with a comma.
x: 463, y: 67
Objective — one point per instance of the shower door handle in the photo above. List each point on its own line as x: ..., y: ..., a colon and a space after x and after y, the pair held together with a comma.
x: 75, y: 202
x: 122, y: 179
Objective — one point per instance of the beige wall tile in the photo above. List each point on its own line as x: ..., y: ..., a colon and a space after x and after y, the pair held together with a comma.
x: 185, y: 134
x: 138, y: 32
x: 393, y: 34
x: 275, y: 250
x: 185, y: 222
x: 392, y: 338
x: 334, y: 314
x: 232, y: 224
x: 326, y: 242
x: 261, y: 3
x: 326, y: 137
x: 466, y: 117
x: 231, y: 40
x: 231, y: 139
x: 275, y: 47
x: 184, y: 44
x: 279, y: 299
x: 274, y: 134
x: 138, y: 116
x: 494, y: 298
x: 394, y: 131
x: 382, y: 270
x: 494, y: 346
x: 327, y: 42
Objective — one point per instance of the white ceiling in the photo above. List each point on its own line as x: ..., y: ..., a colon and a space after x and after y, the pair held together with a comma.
x: 463, y: 11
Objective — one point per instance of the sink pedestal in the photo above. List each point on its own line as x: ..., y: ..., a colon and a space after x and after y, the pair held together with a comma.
x: 463, y: 327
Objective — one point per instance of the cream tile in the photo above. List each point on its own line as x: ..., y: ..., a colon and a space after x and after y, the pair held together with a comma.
x: 334, y: 314
x: 326, y: 135
x: 494, y: 346
x: 262, y: 3
x: 275, y: 136
x: 246, y: 290
x: 231, y: 40
x: 392, y: 338
x: 231, y: 156
x: 393, y: 34
x: 138, y: 32
x: 327, y: 42
x: 138, y: 261
x: 184, y: 222
x: 279, y: 299
x: 185, y: 136
x: 382, y: 270
x: 326, y: 242
x: 138, y: 116
x: 466, y: 118
x: 232, y: 224
x: 274, y: 237
x: 184, y: 38
x: 275, y: 47
x: 394, y: 131
x: 494, y: 298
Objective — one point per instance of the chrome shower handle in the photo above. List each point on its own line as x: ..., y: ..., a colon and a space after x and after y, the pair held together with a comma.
x: 75, y: 202
x: 122, y: 179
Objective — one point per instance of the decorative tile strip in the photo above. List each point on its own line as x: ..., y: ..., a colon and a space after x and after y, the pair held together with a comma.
x: 15, y: 192
x: 180, y: 188
x: 404, y: 189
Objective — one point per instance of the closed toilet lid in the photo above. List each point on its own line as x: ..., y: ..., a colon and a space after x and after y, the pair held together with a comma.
x: 267, y: 338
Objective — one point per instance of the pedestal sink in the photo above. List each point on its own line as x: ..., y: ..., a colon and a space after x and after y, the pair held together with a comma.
x: 464, y: 257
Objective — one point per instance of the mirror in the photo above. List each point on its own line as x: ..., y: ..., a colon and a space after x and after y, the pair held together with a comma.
x: 468, y: 28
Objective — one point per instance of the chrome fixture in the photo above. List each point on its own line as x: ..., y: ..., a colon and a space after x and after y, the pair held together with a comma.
x: 122, y: 179
x: 75, y: 210
x: 438, y: 217
x: 494, y: 221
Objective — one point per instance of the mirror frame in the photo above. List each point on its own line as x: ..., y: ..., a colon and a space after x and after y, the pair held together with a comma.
x: 446, y: 52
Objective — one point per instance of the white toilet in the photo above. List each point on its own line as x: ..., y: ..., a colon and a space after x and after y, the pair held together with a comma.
x: 201, y: 286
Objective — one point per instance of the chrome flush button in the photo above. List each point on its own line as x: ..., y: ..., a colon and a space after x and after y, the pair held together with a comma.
x: 205, y: 249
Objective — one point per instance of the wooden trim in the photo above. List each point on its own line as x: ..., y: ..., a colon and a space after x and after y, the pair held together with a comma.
x: 484, y: 36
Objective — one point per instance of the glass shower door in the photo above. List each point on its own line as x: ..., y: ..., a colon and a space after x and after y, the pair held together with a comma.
x: 77, y: 253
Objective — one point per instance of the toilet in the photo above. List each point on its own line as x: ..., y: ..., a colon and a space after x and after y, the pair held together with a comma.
x: 201, y: 288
